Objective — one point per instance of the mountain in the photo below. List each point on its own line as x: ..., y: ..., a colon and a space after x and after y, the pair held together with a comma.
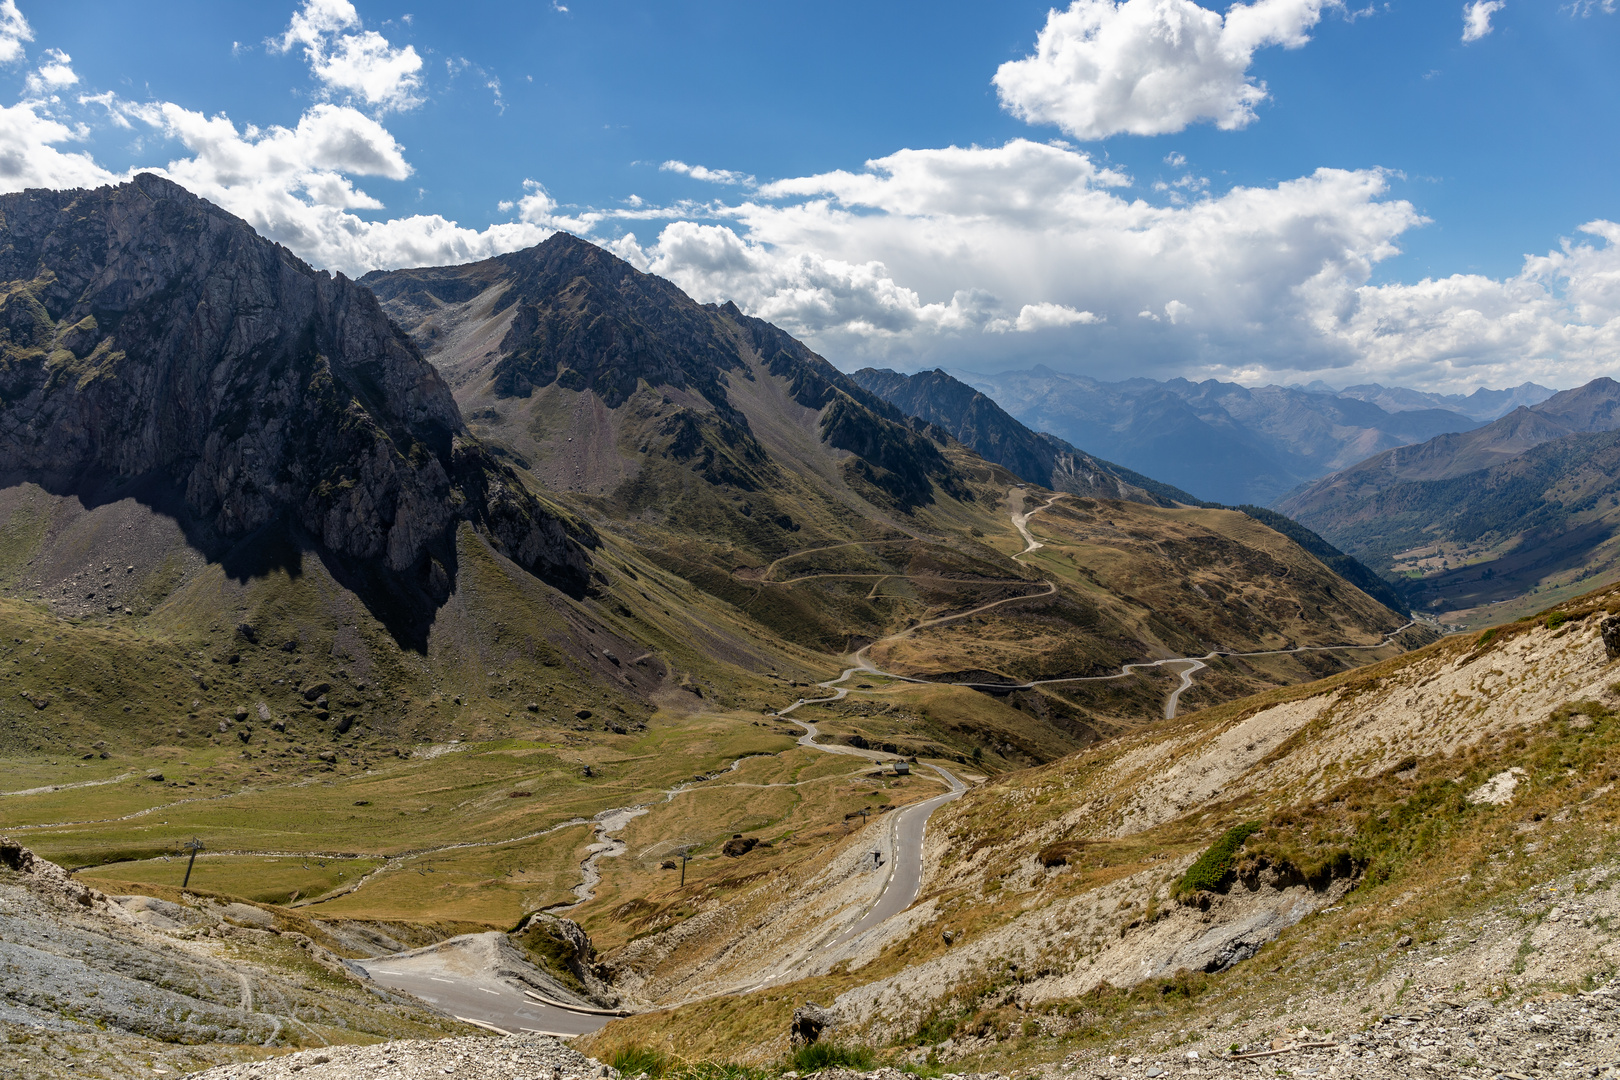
x: 1220, y: 441
x: 1520, y: 505
x: 156, y: 349
x: 1543, y: 522
x: 1593, y: 407
x: 732, y: 456
x: 985, y: 428
x: 1483, y: 404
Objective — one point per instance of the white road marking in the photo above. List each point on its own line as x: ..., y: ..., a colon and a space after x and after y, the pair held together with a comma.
x: 497, y: 993
x: 435, y: 978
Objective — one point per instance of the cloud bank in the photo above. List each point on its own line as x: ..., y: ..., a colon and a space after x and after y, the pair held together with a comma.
x: 978, y: 256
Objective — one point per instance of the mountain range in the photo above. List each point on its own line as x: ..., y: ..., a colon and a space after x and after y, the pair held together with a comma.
x: 1483, y: 405
x: 556, y: 460
x: 1220, y: 441
x: 418, y: 607
x: 1523, y: 505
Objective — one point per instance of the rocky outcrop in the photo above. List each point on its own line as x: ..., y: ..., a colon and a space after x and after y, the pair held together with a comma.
x: 1610, y: 629
x: 45, y: 877
x: 145, y: 332
x: 810, y: 1022
x: 563, y: 949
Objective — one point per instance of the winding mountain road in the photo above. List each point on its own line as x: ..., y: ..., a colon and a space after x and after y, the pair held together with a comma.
x: 488, y: 1000
x: 1172, y: 702
x: 907, y: 826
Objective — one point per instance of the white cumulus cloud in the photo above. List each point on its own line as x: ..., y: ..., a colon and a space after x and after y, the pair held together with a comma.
x: 923, y: 251
x: 944, y: 256
x: 1477, y: 18
x: 295, y: 186
x: 54, y: 74
x: 352, y: 62
x: 29, y: 154
x: 14, y: 30
x: 1149, y: 67
x: 1557, y: 320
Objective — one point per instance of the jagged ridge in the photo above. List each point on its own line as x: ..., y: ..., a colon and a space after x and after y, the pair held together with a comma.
x: 145, y: 331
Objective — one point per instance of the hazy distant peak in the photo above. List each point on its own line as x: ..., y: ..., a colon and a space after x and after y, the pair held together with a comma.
x: 1483, y: 404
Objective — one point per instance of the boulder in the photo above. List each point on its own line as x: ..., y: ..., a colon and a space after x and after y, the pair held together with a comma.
x: 738, y: 846
x: 1610, y: 628
x: 810, y: 1022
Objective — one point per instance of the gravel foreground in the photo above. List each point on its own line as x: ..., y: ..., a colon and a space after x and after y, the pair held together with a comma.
x: 514, y: 1057
x: 1577, y: 1036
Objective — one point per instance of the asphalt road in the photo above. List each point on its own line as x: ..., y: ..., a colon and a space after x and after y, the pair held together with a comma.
x: 905, y: 869
x: 486, y: 999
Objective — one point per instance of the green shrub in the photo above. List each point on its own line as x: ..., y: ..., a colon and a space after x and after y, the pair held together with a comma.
x: 828, y: 1055
x: 938, y: 1026
x: 1214, y: 867
x: 1556, y: 619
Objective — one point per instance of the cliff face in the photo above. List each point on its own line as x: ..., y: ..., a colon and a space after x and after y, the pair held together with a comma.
x: 145, y: 331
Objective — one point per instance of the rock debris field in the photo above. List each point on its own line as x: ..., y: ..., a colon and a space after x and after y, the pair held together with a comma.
x: 514, y: 1057
x: 1577, y: 1036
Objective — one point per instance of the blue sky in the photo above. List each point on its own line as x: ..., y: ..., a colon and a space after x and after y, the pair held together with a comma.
x: 1212, y: 246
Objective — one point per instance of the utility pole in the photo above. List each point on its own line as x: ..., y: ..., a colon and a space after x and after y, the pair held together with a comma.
x: 684, y: 858
x: 195, y: 845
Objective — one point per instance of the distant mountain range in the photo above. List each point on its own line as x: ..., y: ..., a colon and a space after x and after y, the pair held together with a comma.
x: 1528, y: 501
x: 1230, y: 443
x: 1483, y: 404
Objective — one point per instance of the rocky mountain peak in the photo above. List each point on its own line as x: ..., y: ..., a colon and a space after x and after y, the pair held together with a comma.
x: 145, y: 332
x: 584, y: 319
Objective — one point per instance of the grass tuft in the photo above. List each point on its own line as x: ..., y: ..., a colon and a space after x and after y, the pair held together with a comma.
x: 828, y: 1055
x: 634, y: 1060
